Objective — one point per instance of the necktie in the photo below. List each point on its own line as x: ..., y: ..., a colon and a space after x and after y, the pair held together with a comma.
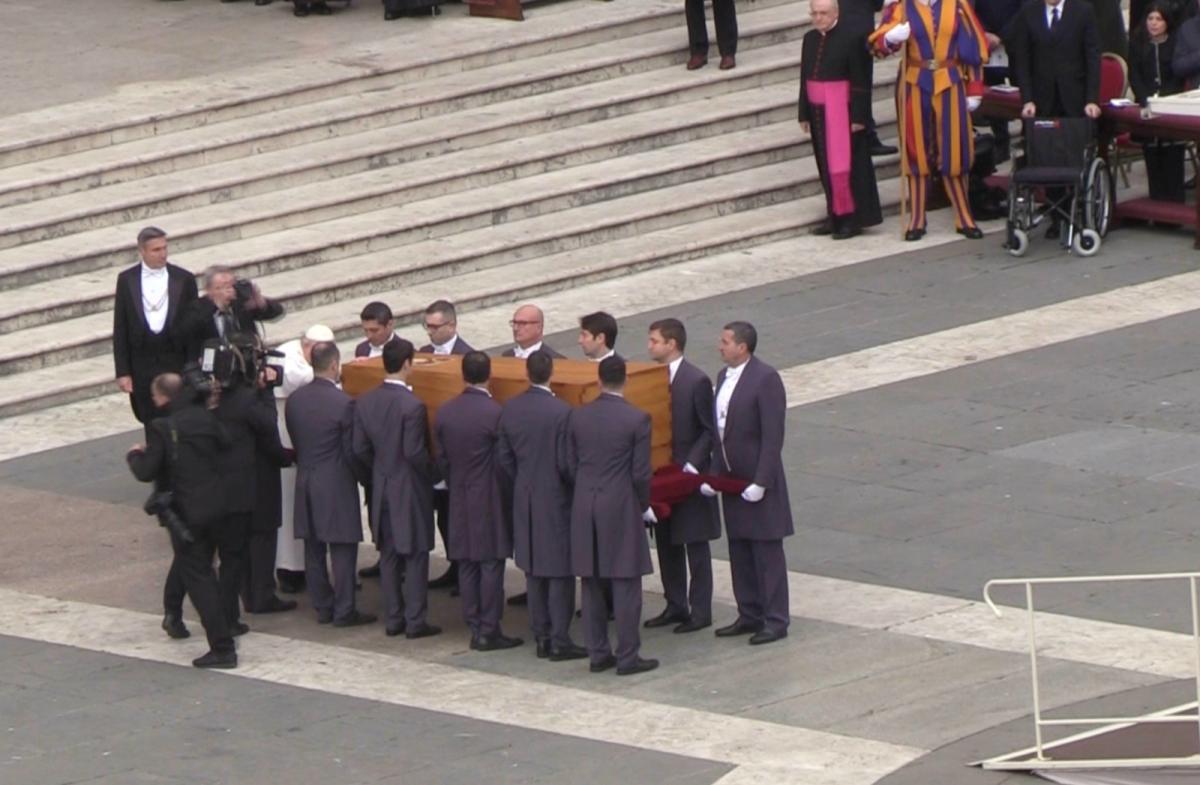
x: 1054, y: 19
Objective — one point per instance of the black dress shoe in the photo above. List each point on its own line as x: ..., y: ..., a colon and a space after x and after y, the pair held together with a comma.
x: 369, y: 572
x: 971, y: 232
x: 320, y: 9
x: 174, y: 627
x: 569, y: 652
x: 846, y: 230
x: 238, y: 628
x: 446, y: 580
x: 767, y: 636
x: 423, y: 631
x: 691, y: 626
x: 739, y: 627
x: 390, y: 15
x: 543, y: 648
x: 641, y: 666
x: 393, y: 630
x: 879, y: 148
x: 600, y: 666
x: 300, y: 10
x: 497, y: 643
x: 275, y: 605
x: 663, y: 619
x: 262, y: 2
x: 822, y: 229
x: 519, y: 599
x: 290, y: 581
x: 355, y: 619
x: 221, y: 660
x: 324, y: 617
x: 914, y: 234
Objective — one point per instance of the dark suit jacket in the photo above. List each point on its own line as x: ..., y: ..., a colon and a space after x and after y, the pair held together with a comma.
x: 139, y: 353
x: 252, y: 425
x: 752, y: 450
x: 199, y: 326
x: 268, y: 498
x: 460, y: 347
x: 363, y: 349
x: 185, y: 449
x: 695, y: 519
x: 608, y: 459
x: 390, y: 436
x: 464, y: 437
x: 320, y: 421
x: 1064, y: 65
x: 532, y: 434
x: 511, y: 352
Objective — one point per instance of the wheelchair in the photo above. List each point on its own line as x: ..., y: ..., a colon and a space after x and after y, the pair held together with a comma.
x: 1062, y: 164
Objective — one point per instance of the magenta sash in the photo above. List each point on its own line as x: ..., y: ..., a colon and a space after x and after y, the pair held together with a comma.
x: 835, y: 98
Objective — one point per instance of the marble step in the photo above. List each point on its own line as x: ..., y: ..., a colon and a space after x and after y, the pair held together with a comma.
x: 377, y: 107
x: 87, y: 378
x: 630, y: 111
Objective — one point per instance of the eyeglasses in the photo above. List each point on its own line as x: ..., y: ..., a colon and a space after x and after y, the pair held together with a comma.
x: 519, y: 323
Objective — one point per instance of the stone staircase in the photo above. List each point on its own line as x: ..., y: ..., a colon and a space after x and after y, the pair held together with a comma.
x: 487, y: 176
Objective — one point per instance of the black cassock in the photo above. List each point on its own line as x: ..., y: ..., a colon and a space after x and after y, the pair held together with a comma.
x: 835, y: 68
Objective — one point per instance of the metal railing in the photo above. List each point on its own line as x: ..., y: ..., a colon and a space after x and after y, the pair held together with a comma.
x: 1158, y: 717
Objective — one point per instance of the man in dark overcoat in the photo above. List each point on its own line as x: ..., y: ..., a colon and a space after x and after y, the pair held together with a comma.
x: 750, y: 409
x: 464, y: 435
x: 320, y: 420
x: 390, y: 429
x: 608, y: 459
x: 683, y: 538
x: 532, y: 430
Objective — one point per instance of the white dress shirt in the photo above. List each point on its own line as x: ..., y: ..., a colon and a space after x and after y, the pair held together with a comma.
x: 154, y: 297
x: 405, y: 385
x: 1050, y: 12
x: 524, y: 353
x: 611, y: 352
x: 732, y: 374
x: 447, y: 347
x: 377, y: 351
x: 674, y: 367
x: 545, y: 387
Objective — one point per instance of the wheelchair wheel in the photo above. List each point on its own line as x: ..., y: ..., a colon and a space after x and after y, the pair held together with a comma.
x: 1018, y: 241
x: 1086, y: 242
x: 1097, y: 197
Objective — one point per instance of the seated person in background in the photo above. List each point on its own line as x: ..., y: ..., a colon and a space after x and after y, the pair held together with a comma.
x: 1186, y: 60
x: 1151, y: 73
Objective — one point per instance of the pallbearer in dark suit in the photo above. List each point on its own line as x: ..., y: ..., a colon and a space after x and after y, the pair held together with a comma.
x: 464, y: 435
x: 146, y: 341
x: 390, y: 429
x: 532, y: 433
x: 608, y: 459
x: 725, y: 18
x: 835, y: 104
x: 750, y: 410
x: 379, y: 329
x: 683, y: 538
x: 441, y: 325
x: 528, y: 327
x: 320, y: 421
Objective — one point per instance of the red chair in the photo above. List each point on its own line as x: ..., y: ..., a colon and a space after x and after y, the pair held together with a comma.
x: 1114, y: 83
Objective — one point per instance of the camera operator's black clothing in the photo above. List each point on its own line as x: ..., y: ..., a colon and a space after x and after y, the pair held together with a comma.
x: 183, y: 454
x: 199, y: 322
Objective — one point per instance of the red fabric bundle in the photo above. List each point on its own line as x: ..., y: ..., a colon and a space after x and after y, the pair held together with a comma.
x: 671, y: 484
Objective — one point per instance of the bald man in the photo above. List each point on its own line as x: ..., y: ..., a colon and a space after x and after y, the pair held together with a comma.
x: 528, y: 325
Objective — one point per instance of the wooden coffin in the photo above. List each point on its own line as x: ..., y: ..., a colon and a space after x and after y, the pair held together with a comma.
x: 497, y: 9
x: 438, y: 379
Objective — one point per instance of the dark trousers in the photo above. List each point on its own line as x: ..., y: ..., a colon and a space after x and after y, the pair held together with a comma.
x: 441, y: 505
x: 760, y: 583
x: 192, y: 567
x: 408, y: 570
x: 725, y: 20
x: 674, y: 563
x: 627, y: 608
x: 336, y: 599
x: 481, y: 585
x: 258, y: 579
x: 1164, y: 169
x: 227, y: 541
x: 551, y: 606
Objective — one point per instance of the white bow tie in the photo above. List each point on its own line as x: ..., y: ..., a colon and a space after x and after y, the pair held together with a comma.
x: 151, y: 272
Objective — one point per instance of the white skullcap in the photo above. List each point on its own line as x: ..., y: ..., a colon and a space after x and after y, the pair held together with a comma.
x: 318, y: 333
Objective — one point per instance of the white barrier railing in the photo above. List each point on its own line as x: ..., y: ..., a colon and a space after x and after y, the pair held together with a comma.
x: 1158, y: 717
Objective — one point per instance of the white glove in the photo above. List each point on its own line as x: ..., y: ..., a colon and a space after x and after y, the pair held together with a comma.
x: 753, y: 493
x: 707, y: 490
x: 689, y: 469
x: 440, y: 486
x: 898, y: 34
x: 973, y: 102
x: 648, y: 516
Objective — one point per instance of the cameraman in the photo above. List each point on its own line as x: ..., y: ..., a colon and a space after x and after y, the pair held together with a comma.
x: 229, y: 307
x: 183, y: 457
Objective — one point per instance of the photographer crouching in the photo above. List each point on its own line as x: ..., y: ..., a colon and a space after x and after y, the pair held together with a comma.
x: 182, y: 457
